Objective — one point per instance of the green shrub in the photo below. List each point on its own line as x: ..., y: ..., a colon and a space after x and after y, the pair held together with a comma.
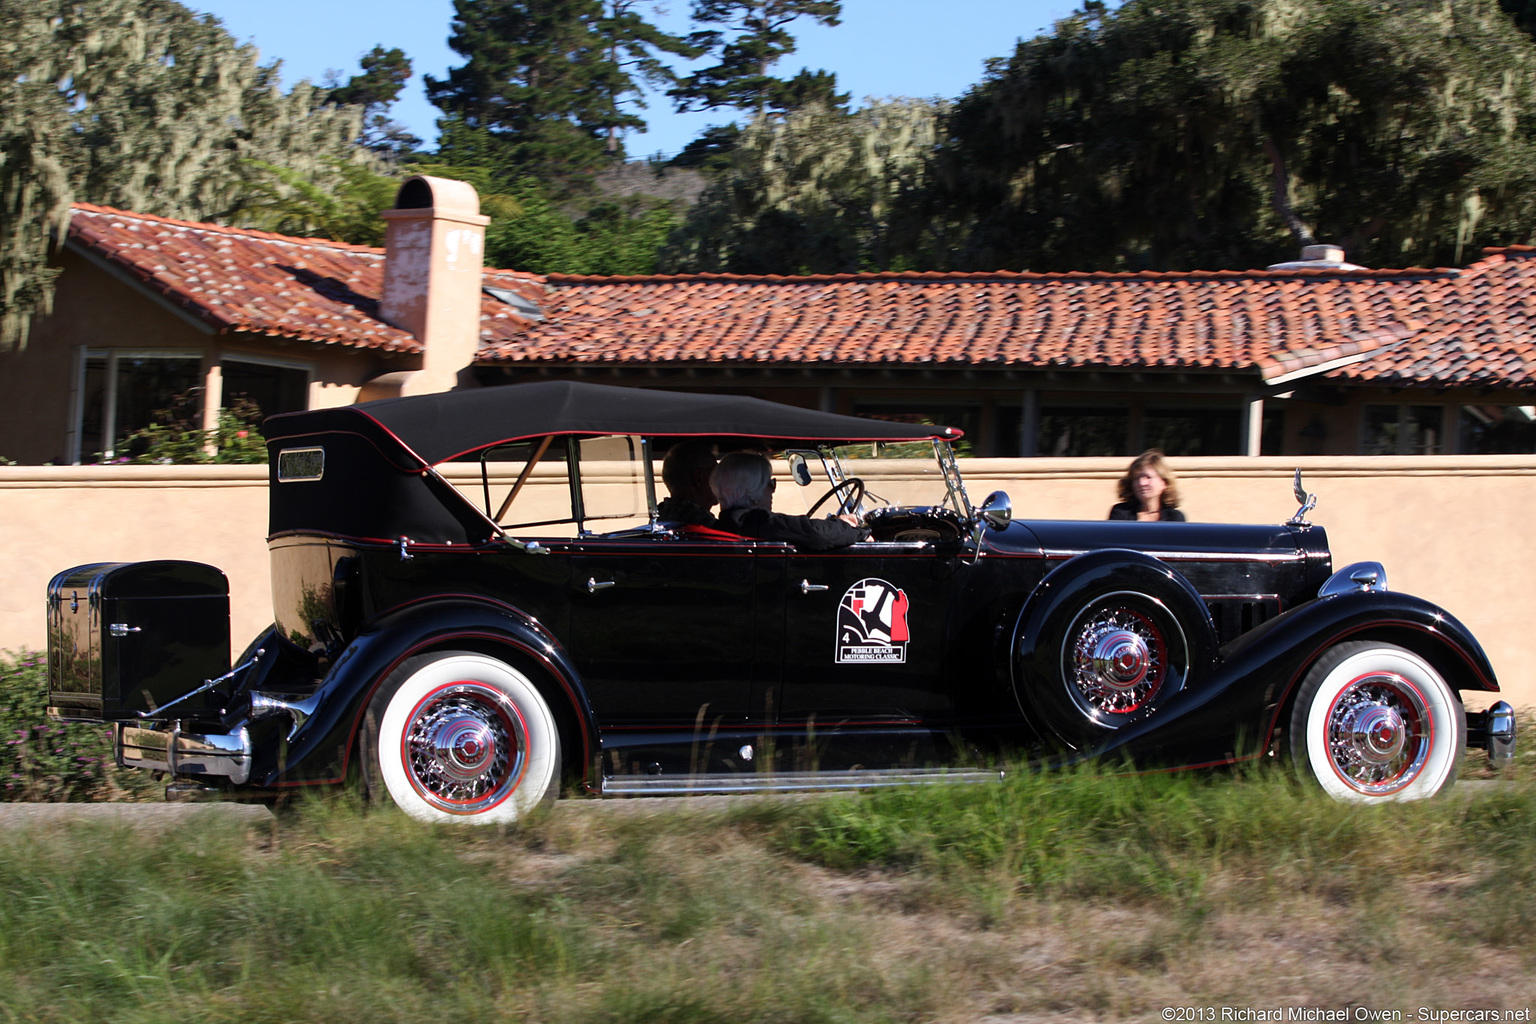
x: 176, y: 435
x: 41, y: 759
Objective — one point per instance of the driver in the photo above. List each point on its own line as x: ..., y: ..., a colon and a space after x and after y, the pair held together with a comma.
x: 743, y: 481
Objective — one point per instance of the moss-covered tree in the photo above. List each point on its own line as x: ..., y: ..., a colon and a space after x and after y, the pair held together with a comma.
x: 141, y: 104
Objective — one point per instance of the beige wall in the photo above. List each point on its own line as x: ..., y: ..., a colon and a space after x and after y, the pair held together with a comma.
x: 1454, y: 530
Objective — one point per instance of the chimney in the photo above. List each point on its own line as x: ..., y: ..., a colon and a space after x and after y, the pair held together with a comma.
x: 434, y: 246
x: 1318, y: 257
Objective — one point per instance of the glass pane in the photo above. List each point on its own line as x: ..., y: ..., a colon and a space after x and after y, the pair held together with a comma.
x: 273, y: 389
x: 1082, y: 431
x: 1193, y: 431
x: 505, y: 487
x: 1424, y: 433
x: 1498, y: 429
x: 148, y: 390
x: 613, y: 482
x: 93, y: 411
x: 1381, y: 432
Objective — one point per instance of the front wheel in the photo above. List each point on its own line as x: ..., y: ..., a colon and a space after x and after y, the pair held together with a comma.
x: 462, y: 737
x: 1374, y: 721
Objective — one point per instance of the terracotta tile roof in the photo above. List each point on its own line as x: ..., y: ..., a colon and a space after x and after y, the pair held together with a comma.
x: 1474, y: 327
x: 1438, y: 328
x: 233, y: 279
x: 1276, y: 322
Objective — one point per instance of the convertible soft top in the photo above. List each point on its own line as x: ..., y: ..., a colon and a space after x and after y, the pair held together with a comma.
x: 437, y: 428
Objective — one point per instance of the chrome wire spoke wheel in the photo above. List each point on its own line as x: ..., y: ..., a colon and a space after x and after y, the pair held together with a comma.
x: 1117, y: 657
x: 464, y: 747
x: 1374, y: 721
x: 460, y: 736
x: 1379, y: 733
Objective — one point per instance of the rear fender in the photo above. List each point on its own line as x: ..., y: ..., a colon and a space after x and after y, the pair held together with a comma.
x: 320, y: 749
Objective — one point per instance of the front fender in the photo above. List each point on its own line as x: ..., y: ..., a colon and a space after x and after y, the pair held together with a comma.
x: 1233, y: 715
x: 320, y: 749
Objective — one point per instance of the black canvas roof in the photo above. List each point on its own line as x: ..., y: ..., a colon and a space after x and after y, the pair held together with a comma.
x: 439, y: 427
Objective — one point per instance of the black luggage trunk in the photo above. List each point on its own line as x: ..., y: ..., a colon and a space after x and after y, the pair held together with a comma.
x: 127, y: 638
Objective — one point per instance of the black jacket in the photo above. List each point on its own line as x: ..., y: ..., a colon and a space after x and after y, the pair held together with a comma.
x: 802, y: 532
x: 1127, y: 510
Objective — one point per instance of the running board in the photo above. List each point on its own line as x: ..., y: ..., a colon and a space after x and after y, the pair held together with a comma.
x: 786, y: 782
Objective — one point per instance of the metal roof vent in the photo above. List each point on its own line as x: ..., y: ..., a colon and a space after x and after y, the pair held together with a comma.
x: 525, y: 307
x: 1318, y: 257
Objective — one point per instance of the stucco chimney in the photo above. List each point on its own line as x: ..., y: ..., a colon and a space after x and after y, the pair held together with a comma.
x: 434, y: 258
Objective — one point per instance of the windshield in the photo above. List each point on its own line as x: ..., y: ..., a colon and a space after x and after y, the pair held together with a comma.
x: 906, y: 474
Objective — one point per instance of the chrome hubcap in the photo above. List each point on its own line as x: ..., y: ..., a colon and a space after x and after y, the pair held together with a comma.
x: 1377, y: 733
x: 464, y: 747
x: 1118, y: 661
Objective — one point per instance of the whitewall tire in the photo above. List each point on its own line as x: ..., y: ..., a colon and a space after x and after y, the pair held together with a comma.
x: 1375, y: 722
x: 456, y: 736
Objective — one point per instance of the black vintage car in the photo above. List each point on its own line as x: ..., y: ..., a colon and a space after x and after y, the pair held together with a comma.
x: 447, y: 637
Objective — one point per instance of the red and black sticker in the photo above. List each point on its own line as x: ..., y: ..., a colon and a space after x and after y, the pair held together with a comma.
x: 872, y: 624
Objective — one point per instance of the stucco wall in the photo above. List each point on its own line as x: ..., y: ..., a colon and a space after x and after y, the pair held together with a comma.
x: 1454, y: 530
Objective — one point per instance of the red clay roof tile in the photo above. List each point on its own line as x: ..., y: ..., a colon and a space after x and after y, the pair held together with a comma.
x: 1423, y: 327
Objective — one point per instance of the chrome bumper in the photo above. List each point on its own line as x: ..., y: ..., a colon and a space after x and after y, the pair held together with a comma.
x: 165, y: 748
x: 1494, y: 731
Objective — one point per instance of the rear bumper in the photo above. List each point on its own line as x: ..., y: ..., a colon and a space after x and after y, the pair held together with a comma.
x: 166, y: 748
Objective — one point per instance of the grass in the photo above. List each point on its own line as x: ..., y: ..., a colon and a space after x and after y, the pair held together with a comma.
x: 1073, y: 897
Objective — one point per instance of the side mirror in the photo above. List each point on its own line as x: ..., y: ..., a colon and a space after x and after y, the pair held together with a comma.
x: 997, y: 510
x: 799, y: 472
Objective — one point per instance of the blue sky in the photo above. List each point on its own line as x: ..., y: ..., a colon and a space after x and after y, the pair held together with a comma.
x: 882, y: 48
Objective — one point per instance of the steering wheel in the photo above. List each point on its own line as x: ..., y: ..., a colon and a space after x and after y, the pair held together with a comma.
x: 850, y: 501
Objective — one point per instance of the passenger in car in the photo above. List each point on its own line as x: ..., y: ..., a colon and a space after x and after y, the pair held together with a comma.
x: 743, y: 481
x: 685, y: 471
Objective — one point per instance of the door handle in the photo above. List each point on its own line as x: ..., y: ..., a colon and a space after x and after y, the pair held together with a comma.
x: 594, y: 584
x: 807, y: 587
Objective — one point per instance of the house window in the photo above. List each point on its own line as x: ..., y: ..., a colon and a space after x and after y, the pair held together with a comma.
x: 274, y: 387
x: 122, y: 391
x: 1498, y: 429
x: 1193, y: 431
x: 1082, y: 430
x: 1403, y: 430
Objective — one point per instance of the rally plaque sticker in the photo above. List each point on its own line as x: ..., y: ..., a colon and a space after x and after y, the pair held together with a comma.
x: 872, y: 624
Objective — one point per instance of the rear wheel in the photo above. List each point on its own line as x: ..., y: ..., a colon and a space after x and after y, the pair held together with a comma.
x: 459, y: 736
x: 1374, y: 721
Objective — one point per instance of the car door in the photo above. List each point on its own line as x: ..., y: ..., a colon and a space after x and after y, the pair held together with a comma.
x: 864, y: 632
x: 662, y: 630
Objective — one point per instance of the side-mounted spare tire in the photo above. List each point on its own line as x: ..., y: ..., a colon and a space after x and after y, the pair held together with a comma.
x: 1105, y: 639
x: 459, y: 736
x: 1376, y: 722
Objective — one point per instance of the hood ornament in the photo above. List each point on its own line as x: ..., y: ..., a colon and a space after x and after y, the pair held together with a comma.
x: 1307, y: 502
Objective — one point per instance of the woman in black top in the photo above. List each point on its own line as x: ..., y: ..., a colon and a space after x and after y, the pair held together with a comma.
x: 1148, y: 491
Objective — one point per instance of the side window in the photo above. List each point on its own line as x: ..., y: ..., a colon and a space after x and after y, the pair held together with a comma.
x: 519, y: 485
x: 614, y: 483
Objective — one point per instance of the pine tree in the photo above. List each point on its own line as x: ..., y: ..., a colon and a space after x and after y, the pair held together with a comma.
x: 551, y: 81
x: 384, y: 74
x: 761, y: 39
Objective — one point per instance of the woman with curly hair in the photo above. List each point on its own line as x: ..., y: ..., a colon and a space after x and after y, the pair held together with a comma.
x: 1148, y: 491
